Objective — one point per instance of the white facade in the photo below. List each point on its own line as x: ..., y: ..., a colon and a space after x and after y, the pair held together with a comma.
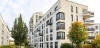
x: 4, y: 32
x: 52, y: 29
x: 33, y: 20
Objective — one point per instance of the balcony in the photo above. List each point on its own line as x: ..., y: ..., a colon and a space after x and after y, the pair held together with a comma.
x: 91, y: 37
x: 89, y: 30
x: 50, y: 24
x: 41, y: 34
x: 89, y: 22
x: 88, y: 14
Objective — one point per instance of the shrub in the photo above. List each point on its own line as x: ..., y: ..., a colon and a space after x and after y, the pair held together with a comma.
x: 86, y: 46
x: 66, y: 45
x: 8, y: 46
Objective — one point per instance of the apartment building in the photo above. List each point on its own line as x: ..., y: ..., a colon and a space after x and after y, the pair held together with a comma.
x: 93, y: 31
x: 52, y: 29
x: 33, y: 20
x: 4, y: 32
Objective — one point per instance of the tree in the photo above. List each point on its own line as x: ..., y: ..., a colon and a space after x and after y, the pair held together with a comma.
x: 66, y: 45
x: 77, y: 33
x: 19, y: 31
x: 96, y: 40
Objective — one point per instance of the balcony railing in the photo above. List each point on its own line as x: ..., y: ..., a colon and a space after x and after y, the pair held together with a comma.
x: 91, y: 37
x: 61, y: 27
x: 90, y: 29
x: 41, y: 34
x: 89, y: 12
x: 90, y: 21
x: 50, y: 23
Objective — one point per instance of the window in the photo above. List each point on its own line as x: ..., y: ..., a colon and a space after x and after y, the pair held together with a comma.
x: 50, y: 13
x: 47, y: 22
x: 96, y: 27
x: 56, y: 44
x: 51, y: 20
x: 51, y: 45
x: 60, y: 16
x: 76, y: 18
x: 47, y: 38
x: 60, y: 35
x: 56, y: 8
x: 51, y: 37
x: 71, y: 8
x: 36, y: 20
x: 42, y: 45
x: 47, y: 15
x: 44, y: 38
x: 72, y: 17
x: 42, y: 26
x: 61, y: 25
x: 46, y: 30
x: 76, y: 10
x: 36, y: 16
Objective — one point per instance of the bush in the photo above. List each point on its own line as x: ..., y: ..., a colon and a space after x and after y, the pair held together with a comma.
x: 8, y: 46
x: 66, y: 45
x: 86, y: 46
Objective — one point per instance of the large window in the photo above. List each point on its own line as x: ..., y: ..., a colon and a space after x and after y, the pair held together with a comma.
x: 61, y: 25
x: 60, y: 35
x: 51, y: 37
x: 51, y: 45
x: 71, y: 8
x: 60, y: 16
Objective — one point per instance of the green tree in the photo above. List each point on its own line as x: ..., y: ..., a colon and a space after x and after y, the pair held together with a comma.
x: 96, y: 40
x: 19, y: 31
x: 77, y: 33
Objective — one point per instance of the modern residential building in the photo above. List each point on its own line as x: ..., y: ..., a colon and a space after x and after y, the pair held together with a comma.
x: 93, y: 31
x: 52, y: 29
x: 33, y: 20
x: 4, y: 32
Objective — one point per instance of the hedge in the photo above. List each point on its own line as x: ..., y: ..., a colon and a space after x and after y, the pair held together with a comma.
x: 8, y: 46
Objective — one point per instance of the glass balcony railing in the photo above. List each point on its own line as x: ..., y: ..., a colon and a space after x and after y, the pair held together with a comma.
x: 89, y: 12
x: 91, y: 37
x: 90, y: 21
x: 90, y: 29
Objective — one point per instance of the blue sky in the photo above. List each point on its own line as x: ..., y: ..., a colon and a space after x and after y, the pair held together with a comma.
x: 10, y: 9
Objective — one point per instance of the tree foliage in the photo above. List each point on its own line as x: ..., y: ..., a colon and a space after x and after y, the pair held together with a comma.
x: 77, y: 33
x: 19, y: 31
x: 66, y: 45
x: 97, y: 39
